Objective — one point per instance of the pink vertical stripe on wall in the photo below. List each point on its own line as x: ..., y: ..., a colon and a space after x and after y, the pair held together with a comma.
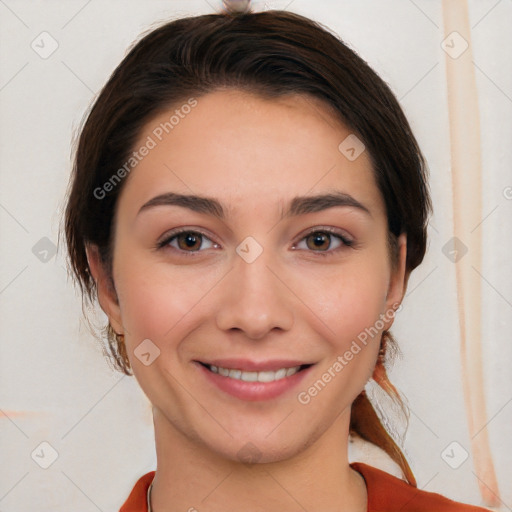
x: 466, y: 168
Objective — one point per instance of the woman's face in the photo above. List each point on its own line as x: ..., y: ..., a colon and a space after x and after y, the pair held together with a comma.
x: 282, y: 262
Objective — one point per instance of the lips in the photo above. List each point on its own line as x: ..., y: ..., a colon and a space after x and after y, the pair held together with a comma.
x: 254, y: 380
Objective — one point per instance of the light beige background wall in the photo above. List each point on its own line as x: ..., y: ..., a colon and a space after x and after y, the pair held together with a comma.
x: 55, y: 386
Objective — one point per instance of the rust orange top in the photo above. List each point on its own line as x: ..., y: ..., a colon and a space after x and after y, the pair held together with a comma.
x: 386, y: 493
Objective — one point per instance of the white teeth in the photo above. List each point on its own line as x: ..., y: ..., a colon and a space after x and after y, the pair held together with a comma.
x: 281, y: 373
x: 249, y: 376
x: 265, y: 376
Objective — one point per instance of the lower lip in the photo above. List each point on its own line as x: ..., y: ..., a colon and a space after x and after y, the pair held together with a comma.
x: 254, y: 391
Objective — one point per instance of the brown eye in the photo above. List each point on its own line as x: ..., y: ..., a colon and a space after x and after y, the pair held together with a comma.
x: 324, y: 241
x: 319, y: 240
x: 189, y: 240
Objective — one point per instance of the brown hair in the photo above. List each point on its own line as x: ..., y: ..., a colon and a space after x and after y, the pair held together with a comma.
x: 270, y: 53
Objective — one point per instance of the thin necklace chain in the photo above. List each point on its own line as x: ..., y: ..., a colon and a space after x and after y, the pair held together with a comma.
x: 149, y: 497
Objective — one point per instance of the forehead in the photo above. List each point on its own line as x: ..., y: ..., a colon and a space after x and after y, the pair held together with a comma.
x: 249, y: 150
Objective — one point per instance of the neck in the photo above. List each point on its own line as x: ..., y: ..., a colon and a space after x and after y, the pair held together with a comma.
x: 191, y: 477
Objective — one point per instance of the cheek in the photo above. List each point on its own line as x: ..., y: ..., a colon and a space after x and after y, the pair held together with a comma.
x: 351, y: 306
x: 158, y: 302
x: 350, y: 299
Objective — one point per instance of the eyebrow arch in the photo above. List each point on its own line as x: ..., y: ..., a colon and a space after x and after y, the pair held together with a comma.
x: 310, y: 204
x: 299, y: 205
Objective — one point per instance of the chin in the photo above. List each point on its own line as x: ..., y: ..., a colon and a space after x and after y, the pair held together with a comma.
x: 262, y: 448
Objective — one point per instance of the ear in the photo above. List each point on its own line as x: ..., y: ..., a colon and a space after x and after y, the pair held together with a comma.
x: 398, y: 281
x: 107, y: 296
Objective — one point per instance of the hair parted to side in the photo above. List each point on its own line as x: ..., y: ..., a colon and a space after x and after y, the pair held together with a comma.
x: 271, y: 54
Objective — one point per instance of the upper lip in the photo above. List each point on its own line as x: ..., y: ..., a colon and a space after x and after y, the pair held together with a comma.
x: 255, y: 366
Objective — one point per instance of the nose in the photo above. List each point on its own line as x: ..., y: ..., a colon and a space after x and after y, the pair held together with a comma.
x: 255, y: 299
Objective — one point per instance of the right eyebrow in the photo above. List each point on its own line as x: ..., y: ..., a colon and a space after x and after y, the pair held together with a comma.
x: 200, y: 204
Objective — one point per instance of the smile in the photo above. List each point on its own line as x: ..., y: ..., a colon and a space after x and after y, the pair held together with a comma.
x: 254, y: 381
x: 261, y: 376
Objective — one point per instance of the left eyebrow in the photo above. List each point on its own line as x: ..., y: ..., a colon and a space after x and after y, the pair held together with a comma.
x: 299, y: 205
x: 310, y: 204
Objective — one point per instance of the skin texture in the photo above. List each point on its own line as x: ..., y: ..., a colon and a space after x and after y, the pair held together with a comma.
x: 294, y: 301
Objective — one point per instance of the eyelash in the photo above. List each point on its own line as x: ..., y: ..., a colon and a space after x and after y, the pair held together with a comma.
x: 346, y: 242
